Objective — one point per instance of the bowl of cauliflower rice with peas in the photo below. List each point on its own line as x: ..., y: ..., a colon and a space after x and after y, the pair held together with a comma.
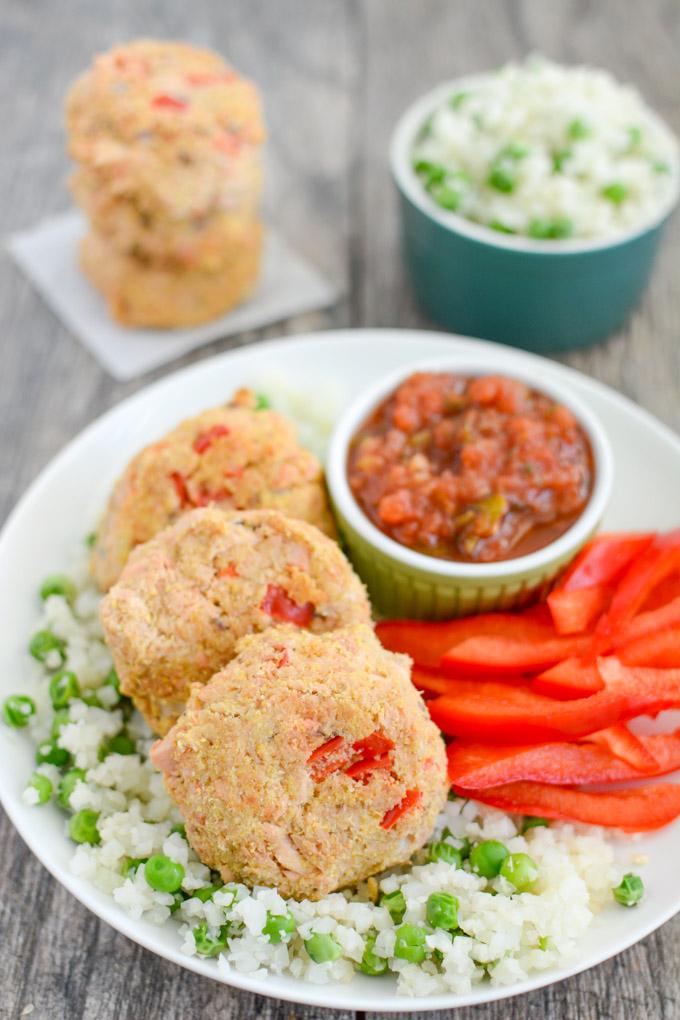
x: 533, y: 200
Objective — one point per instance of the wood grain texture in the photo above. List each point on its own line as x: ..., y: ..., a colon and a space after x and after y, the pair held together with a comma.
x: 336, y: 74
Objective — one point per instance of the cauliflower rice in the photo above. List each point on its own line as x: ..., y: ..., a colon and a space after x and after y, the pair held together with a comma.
x: 502, y: 936
x: 548, y: 151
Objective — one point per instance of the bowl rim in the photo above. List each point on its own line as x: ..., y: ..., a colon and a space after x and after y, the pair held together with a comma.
x: 354, y: 517
x: 408, y: 183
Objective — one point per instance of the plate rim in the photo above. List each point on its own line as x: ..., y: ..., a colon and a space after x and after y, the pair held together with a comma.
x: 94, y: 900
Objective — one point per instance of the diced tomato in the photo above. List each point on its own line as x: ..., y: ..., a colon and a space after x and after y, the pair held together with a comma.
x: 574, y: 612
x: 480, y: 766
x: 602, y: 561
x: 410, y: 800
x: 165, y: 102
x: 204, y: 440
x: 638, y: 810
x: 498, y: 655
x: 280, y: 606
x: 571, y: 678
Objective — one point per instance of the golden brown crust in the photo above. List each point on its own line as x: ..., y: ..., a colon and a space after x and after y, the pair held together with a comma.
x: 186, y: 598
x: 258, y: 814
x: 253, y: 460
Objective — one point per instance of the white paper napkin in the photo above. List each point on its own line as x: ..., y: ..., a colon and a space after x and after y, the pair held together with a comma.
x: 48, y: 254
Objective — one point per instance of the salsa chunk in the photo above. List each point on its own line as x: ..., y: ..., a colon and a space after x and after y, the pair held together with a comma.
x: 470, y: 469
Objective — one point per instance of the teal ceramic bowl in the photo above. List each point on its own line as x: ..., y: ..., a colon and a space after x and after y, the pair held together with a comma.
x: 406, y: 583
x: 540, y: 295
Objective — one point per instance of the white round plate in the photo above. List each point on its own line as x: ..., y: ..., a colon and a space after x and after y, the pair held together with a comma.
x: 63, y: 504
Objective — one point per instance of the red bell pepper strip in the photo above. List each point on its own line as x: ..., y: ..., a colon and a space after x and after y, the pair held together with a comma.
x: 498, y: 713
x: 165, y: 102
x: 410, y: 800
x: 374, y: 745
x: 204, y: 440
x: 362, y: 769
x: 649, y: 622
x: 427, y: 642
x: 500, y: 655
x: 329, y: 757
x: 278, y: 604
x: 572, y: 678
x: 638, y: 810
x: 626, y: 746
x: 480, y: 766
x: 660, y: 559
x: 576, y: 611
x: 661, y: 650
x: 429, y: 682
x: 602, y: 561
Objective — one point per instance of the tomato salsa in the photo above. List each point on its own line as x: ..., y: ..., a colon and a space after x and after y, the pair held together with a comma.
x: 470, y: 469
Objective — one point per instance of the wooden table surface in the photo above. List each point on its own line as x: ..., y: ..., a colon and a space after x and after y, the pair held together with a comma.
x: 335, y: 75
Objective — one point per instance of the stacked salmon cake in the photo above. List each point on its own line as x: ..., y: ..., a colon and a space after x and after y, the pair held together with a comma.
x: 167, y: 139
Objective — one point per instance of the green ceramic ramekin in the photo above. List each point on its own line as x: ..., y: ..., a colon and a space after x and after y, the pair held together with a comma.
x: 540, y: 295
x: 404, y: 583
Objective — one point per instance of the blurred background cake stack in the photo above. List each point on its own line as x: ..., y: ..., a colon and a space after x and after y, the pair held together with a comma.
x: 167, y: 139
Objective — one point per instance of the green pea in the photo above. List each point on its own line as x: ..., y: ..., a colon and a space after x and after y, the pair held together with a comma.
x: 60, y: 718
x: 445, y: 196
x: 323, y: 948
x: 410, y: 943
x: 91, y: 539
x: 113, y: 680
x: 163, y: 874
x: 278, y: 926
x: 43, y: 643
x: 442, y: 851
x: 634, y: 138
x: 67, y: 785
x: 629, y: 891
x: 180, y: 828
x: 42, y: 786
x: 487, y: 857
x: 457, y: 99
x: 560, y: 158
x: 58, y: 584
x: 578, y: 129
x: 501, y: 228
x: 661, y: 166
x: 210, y: 945
x: 206, y: 893
x: 82, y: 827
x: 551, y: 229
x: 615, y: 192
x: 561, y: 227
x: 131, y: 864
x: 63, y: 687
x: 434, y: 173
x: 49, y: 753
x: 90, y: 699
x: 395, y: 903
x: 441, y: 911
x: 17, y: 709
x: 533, y: 822
x: 178, y: 899
x: 371, y: 963
x: 261, y: 402
x: 520, y: 870
x: 120, y: 744
x: 501, y: 179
